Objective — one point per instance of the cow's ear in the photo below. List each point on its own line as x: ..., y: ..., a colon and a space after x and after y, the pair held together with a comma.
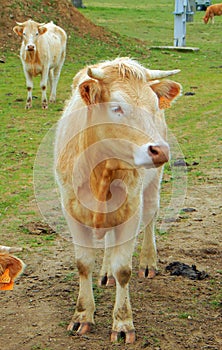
x: 90, y: 91
x: 18, y: 30
x: 42, y: 30
x: 167, y: 91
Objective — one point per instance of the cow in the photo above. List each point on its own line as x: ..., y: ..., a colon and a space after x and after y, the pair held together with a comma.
x: 110, y: 148
x: 42, y: 52
x: 211, y: 11
x: 10, y: 267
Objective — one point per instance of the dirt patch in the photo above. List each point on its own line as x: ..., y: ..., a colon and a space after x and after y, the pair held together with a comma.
x: 170, y: 312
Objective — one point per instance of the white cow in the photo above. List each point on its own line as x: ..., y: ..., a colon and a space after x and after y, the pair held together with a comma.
x: 42, y: 52
x: 109, y: 153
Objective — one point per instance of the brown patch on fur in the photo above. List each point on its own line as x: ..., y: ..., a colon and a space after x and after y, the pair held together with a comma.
x: 123, y: 276
x: 103, y: 191
x: 79, y: 306
x: 83, y: 270
x: 33, y: 59
x: 123, y: 313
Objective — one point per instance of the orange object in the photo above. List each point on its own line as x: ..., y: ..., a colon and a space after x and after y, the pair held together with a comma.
x: 8, y: 286
x: 5, y: 281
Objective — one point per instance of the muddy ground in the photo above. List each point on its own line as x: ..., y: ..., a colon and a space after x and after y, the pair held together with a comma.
x: 170, y: 312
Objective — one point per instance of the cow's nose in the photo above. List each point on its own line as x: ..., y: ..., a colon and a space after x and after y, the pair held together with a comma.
x: 30, y: 47
x: 159, y: 154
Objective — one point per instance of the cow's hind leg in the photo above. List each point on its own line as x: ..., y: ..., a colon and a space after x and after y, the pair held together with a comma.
x: 43, y: 86
x: 106, y: 277
x: 148, y: 256
x: 83, y: 317
x: 54, y: 75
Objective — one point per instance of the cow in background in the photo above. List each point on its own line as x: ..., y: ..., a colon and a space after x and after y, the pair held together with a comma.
x: 110, y: 149
x: 211, y: 11
x: 10, y: 267
x: 42, y: 52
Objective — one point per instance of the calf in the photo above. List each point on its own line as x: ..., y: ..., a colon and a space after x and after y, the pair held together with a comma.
x: 42, y: 52
x: 110, y: 149
x: 211, y: 11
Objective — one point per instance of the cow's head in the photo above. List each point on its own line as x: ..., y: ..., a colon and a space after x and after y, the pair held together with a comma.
x: 30, y: 32
x: 135, y: 99
x: 206, y: 19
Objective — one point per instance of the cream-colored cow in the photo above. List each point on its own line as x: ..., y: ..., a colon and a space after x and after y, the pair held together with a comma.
x: 42, y: 52
x: 109, y: 151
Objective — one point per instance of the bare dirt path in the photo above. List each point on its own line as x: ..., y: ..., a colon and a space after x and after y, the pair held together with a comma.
x: 170, y: 312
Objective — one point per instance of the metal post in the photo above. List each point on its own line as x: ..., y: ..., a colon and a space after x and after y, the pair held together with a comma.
x: 180, y: 22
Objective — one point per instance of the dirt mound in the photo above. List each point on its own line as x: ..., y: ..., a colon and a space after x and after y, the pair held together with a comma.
x: 61, y: 12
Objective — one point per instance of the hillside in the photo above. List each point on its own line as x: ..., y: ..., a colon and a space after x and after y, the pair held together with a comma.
x: 61, y: 12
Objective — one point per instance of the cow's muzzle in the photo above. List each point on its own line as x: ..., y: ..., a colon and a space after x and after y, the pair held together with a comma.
x: 160, y: 154
x: 30, y: 48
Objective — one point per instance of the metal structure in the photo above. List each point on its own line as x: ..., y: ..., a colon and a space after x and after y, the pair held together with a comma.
x: 184, y: 10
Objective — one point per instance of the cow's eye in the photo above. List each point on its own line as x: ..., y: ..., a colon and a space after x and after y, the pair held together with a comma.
x: 23, y: 34
x: 37, y: 33
x: 117, y: 110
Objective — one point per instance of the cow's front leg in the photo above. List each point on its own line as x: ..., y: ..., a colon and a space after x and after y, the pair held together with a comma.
x: 83, y: 317
x: 29, y: 84
x: 43, y: 86
x: 122, y: 314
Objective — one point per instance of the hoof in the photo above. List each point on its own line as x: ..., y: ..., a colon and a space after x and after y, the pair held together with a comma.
x: 151, y: 273
x: 146, y: 273
x: 107, y: 281
x: 129, y: 337
x: 71, y: 327
x: 80, y: 328
x: 84, y: 328
x: 142, y: 273
x: 111, y: 282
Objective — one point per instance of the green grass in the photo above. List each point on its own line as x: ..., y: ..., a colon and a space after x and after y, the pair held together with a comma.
x: 195, y: 120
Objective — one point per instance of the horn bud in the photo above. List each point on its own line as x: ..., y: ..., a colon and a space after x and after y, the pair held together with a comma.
x: 95, y: 73
x: 157, y: 74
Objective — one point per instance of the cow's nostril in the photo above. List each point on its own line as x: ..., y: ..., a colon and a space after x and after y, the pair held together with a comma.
x: 153, y: 150
x: 159, y: 154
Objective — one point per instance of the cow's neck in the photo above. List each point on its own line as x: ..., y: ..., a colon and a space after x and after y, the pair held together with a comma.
x: 32, y: 57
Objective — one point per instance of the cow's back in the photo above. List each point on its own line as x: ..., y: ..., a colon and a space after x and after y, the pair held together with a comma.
x: 52, y: 44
